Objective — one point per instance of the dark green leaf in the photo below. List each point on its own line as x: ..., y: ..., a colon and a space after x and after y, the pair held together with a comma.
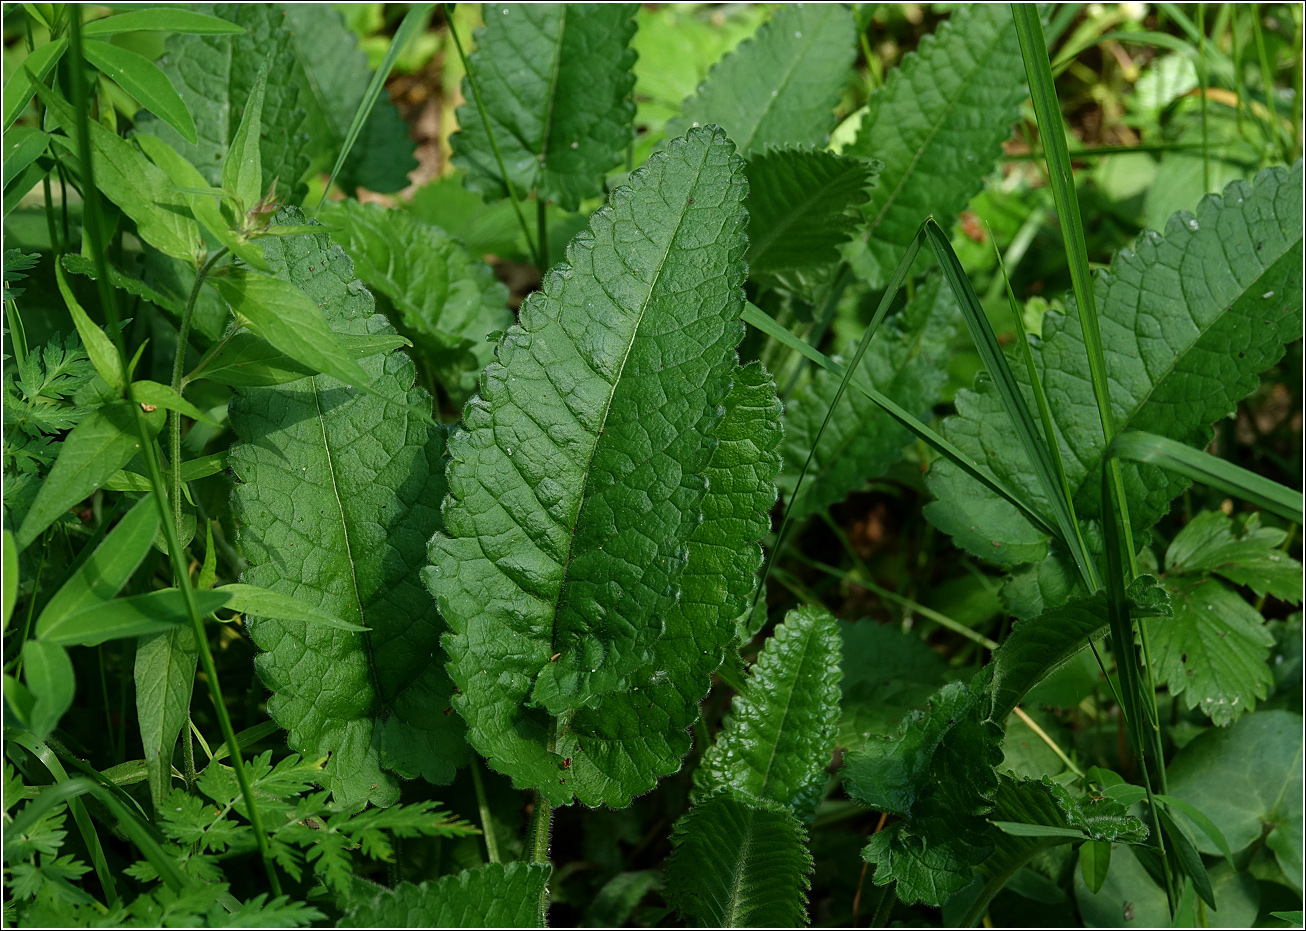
x: 249, y: 361
x: 1246, y: 554
x: 497, y: 895
x: 164, y: 673
x: 19, y: 88
x: 48, y: 674
x: 886, y: 674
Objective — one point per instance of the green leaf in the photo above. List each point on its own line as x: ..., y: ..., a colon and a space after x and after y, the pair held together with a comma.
x: 802, y: 204
x: 339, y: 492
x: 22, y: 146
x: 938, y: 775
x: 779, y: 88
x: 161, y: 20
x: 242, y: 169
x: 81, y: 265
x: 1213, y: 651
x: 157, y: 395
x: 137, y: 187
x: 1246, y: 554
x: 249, y: 361
x: 718, y: 583
x: 447, y: 300
x: 164, y: 673
x: 613, y: 905
x: 1247, y: 778
x: 779, y: 736
x: 19, y: 88
x: 1039, y: 646
x: 1094, y: 864
x: 1207, y: 826
x: 554, y: 80
x: 738, y: 862
x: 101, y: 444
x: 103, y: 355
x: 141, y: 78
x: 906, y: 362
x: 128, y: 480
x: 886, y: 673
x: 250, y: 599
x: 216, y: 75
x: 335, y: 80
x: 288, y: 318
x: 10, y: 576
x: 48, y: 674
x: 937, y: 125
x: 497, y: 895
x: 579, y: 478
x: 1131, y: 898
x: 134, y: 616
x: 1233, y: 321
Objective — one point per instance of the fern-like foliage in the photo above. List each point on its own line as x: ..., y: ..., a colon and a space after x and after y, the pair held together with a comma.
x: 497, y: 895
x: 906, y: 362
x: 339, y: 492
x: 554, y: 80
x: 1188, y: 320
x: 779, y: 88
x: 937, y: 125
x: 739, y: 862
x: 577, y: 487
x: 777, y: 740
x: 803, y: 204
x: 447, y: 300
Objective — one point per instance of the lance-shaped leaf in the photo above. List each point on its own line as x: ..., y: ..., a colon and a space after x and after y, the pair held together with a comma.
x: 141, y: 78
x: 776, y: 742
x: 780, y: 87
x: 1246, y: 554
x: 339, y: 492
x: 497, y: 895
x: 739, y: 862
x: 938, y: 776
x: 554, y: 80
x: 448, y: 301
x: 579, y: 477
x: 938, y: 125
x: 802, y: 204
x: 215, y: 76
x: 905, y: 361
x: 1188, y: 321
x: 622, y: 746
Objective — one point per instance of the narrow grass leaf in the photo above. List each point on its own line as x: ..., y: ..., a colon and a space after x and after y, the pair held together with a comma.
x: 161, y: 20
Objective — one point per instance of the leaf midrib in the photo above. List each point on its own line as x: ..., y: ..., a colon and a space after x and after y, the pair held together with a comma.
x: 797, y: 668
x: 746, y: 145
x: 732, y: 915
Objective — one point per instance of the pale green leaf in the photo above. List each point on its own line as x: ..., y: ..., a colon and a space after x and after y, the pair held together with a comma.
x: 779, y: 88
x: 164, y: 672
x: 22, y: 146
x: 497, y: 895
x: 554, y: 80
x: 134, y: 616
x: 81, y: 265
x: 242, y: 169
x: 10, y: 576
x: 141, y: 78
x: 99, y: 348
x: 249, y: 361
x: 161, y: 19
x: 152, y: 393
x: 738, y: 863
x: 260, y: 602
x: 129, y: 480
x: 1245, y: 553
x: 339, y: 492
x: 19, y: 88
x: 779, y: 736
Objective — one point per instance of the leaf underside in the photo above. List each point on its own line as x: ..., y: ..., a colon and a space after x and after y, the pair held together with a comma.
x: 338, y: 493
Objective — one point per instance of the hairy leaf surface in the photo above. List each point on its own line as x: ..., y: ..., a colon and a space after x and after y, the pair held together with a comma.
x: 776, y: 742
x: 886, y: 673
x: 905, y: 361
x: 739, y: 862
x: 496, y: 895
x: 579, y: 477
x: 448, y: 301
x: 555, y: 82
x: 1188, y: 322
x: 780, y: 87
x: 339, y: 492
x: 937, y: 125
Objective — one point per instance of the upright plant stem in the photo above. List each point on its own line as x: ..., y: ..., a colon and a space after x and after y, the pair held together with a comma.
x: 91, y: 196
x: 483, y: 806
x: 542, y: 233
x: 1202, y: 78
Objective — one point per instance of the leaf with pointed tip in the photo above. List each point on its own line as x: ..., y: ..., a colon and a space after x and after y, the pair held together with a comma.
x: 780, y: 87
x: 555, y: 82
x: 164, y: 672
x: 339, y: 492
x: 578, y: 481
x: 937, y: 125
x: 242, y: 169
x: 776, y: 742
x: 1246, y: 554
x: 905, y: 361
x: 141, y: 78
x: 496, y: 895
x: 1189, y: 320
x: 739, y: 862
x: 448, y: 300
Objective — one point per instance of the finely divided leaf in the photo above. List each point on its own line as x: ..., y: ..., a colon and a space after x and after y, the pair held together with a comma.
x: 448, y: 301
x: 937, y: 126
x: 497, y: 895
x: 803, y: 204
x: 1189, y: 320
x: 578, y: 481
x: 339, y: 492
x: 555, y: 82
x: 906, y: 362
x: 780, y: 87
x: 777, y: 740
x: 740, y: 863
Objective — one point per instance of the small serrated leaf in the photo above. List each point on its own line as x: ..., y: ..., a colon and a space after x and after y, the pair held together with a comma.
x: 497, y: 895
